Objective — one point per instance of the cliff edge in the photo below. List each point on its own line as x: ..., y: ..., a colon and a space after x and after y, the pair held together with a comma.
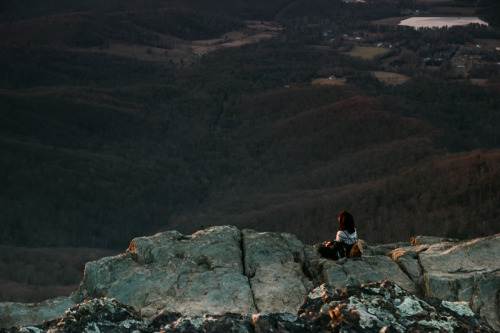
x: 249, y: 274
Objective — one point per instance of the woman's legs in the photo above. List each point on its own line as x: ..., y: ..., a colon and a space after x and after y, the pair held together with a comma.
x: 329, y: 252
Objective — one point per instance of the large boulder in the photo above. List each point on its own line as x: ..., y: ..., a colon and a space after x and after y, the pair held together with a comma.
x: 407, y: 260
x: 467, y: 271
x: 188, y: 274
x: 365, y: 269
x: 274, y: 262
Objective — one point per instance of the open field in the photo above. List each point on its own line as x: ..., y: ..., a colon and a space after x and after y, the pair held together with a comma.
x: 201, y: 47
x: 255, y: 32
x: 479, y: 82
x: 325, y: 81
x: 391, y: 78
x: 188, y: 51
x: 489, y: 44
x: 367, y: 52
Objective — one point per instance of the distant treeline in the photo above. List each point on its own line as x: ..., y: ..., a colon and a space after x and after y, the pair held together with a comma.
x: 256, y: 10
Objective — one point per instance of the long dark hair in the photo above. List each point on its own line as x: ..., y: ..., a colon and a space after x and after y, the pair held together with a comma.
x: 346, y: 221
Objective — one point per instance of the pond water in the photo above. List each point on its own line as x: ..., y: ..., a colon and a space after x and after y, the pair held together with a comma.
x: 439, y: 22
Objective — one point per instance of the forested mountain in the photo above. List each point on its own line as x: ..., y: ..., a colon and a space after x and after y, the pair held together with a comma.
x: 114, y: 124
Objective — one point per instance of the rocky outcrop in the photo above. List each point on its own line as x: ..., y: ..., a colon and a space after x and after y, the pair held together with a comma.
x: 451, y: 270
x: 365, y: 270
x: 376, y: 307
x: 385, y: 307
x: 468, y: 272
x: 223, y: 270
x: 273, y: 263
x: 188, y: 274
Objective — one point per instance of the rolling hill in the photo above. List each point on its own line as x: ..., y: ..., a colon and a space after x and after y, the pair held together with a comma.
x: 112, y: 127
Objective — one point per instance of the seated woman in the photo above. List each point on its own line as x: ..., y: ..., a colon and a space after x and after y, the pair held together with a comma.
x: 346, y: 236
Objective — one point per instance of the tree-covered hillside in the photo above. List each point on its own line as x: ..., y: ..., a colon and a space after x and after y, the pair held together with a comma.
x: 112, y: 126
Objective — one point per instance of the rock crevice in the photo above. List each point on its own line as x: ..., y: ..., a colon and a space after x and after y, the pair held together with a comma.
x: 243, y: 254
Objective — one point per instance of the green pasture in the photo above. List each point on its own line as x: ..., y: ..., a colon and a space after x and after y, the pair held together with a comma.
x: 367, y: 52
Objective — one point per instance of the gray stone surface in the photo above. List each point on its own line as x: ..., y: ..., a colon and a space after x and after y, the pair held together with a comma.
x: 33, y: 313
x: 274, y: 264
x: 188, y: 274
x: 467, y: 271
x: 376, y: 307
x: 222, y: 269
x: 478, y: 255
x: 429, y: 240
x: 407, y: 260
x: 365, y: 270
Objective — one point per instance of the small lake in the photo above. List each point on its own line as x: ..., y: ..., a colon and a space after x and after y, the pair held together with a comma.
x: 440, y: 22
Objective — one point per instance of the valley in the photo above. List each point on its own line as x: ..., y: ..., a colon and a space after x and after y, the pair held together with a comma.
x: 120, y: 121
